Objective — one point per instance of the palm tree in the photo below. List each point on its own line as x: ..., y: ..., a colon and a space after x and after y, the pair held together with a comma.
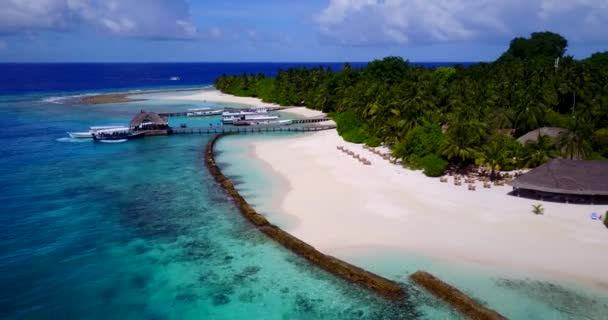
x: 575, y: 144
x: 539, y: 152
x: 463, y: 139
x: 538, y: 209
x: 494, y: 157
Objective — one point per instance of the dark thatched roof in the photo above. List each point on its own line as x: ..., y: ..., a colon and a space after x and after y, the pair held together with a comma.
x: 533, y: 135
x: 579, y: 177
x: 151, y: 117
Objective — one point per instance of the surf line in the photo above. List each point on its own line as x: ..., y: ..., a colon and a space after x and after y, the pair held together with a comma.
x: 342, y: 269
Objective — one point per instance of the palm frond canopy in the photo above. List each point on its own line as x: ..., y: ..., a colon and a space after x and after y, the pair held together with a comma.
x: 148, y: 118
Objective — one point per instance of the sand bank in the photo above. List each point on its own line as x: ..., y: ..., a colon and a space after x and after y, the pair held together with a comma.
x: 130, y: 96
x: 341, y: 206
x: 219, y: 97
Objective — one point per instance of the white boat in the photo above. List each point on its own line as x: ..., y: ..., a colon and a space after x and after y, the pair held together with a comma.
x: 247, y: 117
x: 262, y: 122
x: 81, y: 135
x: 89, y: 134
x: 245, y: 112
x: 201, y: 112
x: 116, y: 135
x: 97, y: 128
x: 175, y: 78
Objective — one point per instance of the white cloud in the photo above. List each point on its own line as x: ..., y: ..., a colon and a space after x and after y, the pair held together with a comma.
x: 400, y: 22
x: 155, y: 19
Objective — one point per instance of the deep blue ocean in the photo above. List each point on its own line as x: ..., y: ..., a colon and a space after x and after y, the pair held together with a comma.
x: 140, y: 230
x: 66, y: 77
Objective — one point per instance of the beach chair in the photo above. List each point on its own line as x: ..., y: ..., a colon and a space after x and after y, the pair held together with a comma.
x: 443, y: 179
x: 472, y: 187
x: 487, y: 185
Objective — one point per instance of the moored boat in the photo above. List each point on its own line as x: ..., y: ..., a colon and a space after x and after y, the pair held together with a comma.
x: 92, y: 130
x: 262, y: 122
x: 250, y: 117
x: 246, y: 112
x: 115, y: 135
x: 202, y: 112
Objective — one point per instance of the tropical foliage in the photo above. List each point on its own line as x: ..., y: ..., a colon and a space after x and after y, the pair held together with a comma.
x: 433, y: 165
x: 460, y: 114
x: 538, y: 209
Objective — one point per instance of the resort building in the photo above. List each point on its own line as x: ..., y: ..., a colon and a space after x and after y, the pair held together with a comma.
x: 148, y: 121
x: 532, y: 136
x: 562, y: 180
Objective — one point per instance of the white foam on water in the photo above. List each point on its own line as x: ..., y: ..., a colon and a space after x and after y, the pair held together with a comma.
x: 67, y: 139
x: 113, y: 141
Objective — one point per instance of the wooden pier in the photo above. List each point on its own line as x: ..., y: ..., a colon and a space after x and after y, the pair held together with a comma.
x: 249, y: 129
x: 156, y: 124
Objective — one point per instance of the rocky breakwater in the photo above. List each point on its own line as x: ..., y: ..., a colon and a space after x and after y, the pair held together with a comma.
x: 454, y: 297
x: 345, y: 270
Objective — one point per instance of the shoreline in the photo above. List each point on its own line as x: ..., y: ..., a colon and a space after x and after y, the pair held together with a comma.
x: 383, y: 286
x: 563, y: 244
x: 354, y: 274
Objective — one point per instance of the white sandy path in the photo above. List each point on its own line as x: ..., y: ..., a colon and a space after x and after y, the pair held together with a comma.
x: 218, y: 96
x: 341, y: 205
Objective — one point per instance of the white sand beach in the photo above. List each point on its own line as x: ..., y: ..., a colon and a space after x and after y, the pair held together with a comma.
x: 218, y: 96
x: 341, y: 206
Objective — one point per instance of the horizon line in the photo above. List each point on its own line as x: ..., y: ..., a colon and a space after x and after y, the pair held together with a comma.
x: 222, y: 62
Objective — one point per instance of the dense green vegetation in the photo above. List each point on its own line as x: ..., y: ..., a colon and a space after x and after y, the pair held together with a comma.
x: 462, y: 115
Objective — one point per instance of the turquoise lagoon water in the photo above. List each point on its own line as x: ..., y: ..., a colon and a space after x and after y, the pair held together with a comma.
x: 139, y: 230
x: 516, y: 295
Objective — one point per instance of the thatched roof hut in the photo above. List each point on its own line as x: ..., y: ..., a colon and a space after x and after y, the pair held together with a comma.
x: 148, y: 120
x: 533, y: 135
x: 568, y: 177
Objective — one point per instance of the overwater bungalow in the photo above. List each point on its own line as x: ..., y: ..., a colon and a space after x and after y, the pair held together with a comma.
x: 562, y: 180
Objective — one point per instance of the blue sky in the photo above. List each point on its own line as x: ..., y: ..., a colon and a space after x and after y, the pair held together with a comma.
x: 288, y: 30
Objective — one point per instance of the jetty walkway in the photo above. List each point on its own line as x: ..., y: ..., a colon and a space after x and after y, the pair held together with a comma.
x: 248, y: 129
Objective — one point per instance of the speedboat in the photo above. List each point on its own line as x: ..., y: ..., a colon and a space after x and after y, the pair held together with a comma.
x: 202, y: 112
x: 89, y: 134
x: 250, y: 118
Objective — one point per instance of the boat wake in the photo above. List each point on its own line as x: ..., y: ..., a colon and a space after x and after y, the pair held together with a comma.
x: 73, y: 140
x: 113, y: 141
